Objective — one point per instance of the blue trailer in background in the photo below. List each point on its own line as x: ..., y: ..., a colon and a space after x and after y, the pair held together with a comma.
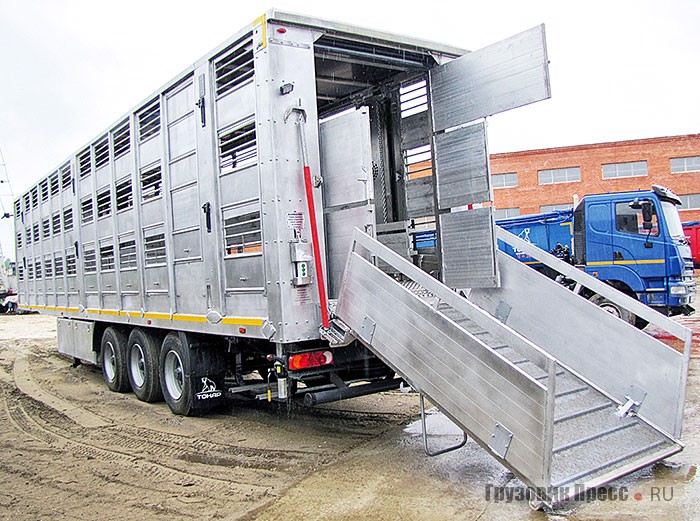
x: 634, y: 241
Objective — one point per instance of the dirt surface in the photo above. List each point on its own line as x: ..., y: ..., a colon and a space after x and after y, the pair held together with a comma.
x: 70, y: 449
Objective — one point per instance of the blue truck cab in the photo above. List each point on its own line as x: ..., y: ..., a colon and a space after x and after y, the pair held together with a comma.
x: 634, y: 241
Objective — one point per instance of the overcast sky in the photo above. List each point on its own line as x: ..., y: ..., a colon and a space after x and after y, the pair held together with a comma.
x: 620, y: 69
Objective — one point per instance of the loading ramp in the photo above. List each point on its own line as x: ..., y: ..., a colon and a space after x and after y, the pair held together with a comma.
x: 536, y: 408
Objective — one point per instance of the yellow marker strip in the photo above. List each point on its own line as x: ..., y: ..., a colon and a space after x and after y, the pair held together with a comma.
x: 159, y: 316
x: 110, y: 312
x: 190, y: 318
x: 239, y: 321
x: 626, y: 262
x: 130, y: 314
x: 261, y: 21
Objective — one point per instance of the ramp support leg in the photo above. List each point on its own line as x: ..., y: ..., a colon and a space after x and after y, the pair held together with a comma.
x: 425, y: 434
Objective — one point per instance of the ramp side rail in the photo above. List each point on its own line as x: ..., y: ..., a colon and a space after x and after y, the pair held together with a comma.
x: 506, y: 410
x: 639, y: 359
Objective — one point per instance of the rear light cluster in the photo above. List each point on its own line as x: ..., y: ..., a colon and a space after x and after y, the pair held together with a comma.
x: 308, y: 360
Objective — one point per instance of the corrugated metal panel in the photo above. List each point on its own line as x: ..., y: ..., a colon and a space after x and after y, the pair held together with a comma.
x: 505, y: 75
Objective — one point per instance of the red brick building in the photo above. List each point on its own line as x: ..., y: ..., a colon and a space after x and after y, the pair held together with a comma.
x: 536, y: 181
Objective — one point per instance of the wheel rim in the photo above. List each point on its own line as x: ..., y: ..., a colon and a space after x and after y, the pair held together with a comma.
x: 612, y: 309
x: 110, y: 361
x: 137, y: 365
x: 174, y: 375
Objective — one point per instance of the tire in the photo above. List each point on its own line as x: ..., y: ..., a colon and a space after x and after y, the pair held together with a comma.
x: 143, y: 360
x: 113, y: 359
x: 613, y: 309
x: 174, y: 370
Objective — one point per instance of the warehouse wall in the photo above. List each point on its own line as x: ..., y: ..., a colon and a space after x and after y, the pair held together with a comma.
x: 529, y: 196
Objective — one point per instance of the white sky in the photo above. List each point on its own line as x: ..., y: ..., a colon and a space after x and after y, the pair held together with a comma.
x: 620, y: 69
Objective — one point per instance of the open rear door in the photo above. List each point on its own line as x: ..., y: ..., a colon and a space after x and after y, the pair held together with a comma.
x: 500, y: 77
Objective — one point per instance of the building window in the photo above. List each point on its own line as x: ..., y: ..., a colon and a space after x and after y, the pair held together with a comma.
x: 559, y: 175
x: 507, y: 180
x: 506, y: 213
x: 685, y: 164
x: 631, y: 169
x: 552, y: 207
x: 690, y: 202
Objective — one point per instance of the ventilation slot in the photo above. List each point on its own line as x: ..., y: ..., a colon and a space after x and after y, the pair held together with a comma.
x: 122, y: 139
x: 154, y: 246
x: 46, y: 228
x: 84, y: 166
x: 151, y: 183
x: 419, y: 162
x: 125, y: 196
x: 68, y: 219
x: 71, y: 265
x: 104, y: 203
x: 242, y: 234
x: 89, y: 260
x: 236, y: 67
x: 56, y: 223
x: 45, y: 190
x: 101, y: 152
x: 87, y: 213
x: 413, y: 99
x: 107, y: 257
x: 66, y: 176
x: 58, y: 266
x: 127, y: 254
x: 53, y: 181
x: 48, y: 268
x: 149, y: 121
x: 238, y: 148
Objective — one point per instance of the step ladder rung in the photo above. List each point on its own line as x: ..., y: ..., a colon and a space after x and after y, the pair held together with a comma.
x: 610, y: 463
x: 572, y: 391
x: 583, y: 412
x: 593, y: 437
x: 545, y: 376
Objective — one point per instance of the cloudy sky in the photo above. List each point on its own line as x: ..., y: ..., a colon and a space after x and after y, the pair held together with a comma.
x: 620, y: 69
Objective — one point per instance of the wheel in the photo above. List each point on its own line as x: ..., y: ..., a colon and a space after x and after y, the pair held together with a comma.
x: 174, y: 371
x: 613, y: 309
x: 113, y: 358
x: 144, y: 350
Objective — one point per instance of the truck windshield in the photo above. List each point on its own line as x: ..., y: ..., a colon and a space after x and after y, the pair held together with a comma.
x: 673, y: 220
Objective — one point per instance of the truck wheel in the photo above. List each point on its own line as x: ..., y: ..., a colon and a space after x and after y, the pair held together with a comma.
x: 144, y: 349
x: 113, y: 358
x: 174, y: 372
x: 613, y: 309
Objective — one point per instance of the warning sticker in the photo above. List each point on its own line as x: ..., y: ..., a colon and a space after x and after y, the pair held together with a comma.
x: 295, y: 221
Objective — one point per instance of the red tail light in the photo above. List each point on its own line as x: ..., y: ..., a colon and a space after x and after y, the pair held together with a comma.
x: 309, y: 360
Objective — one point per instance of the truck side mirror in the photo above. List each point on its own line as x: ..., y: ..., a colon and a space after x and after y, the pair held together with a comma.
x: 647, y: 215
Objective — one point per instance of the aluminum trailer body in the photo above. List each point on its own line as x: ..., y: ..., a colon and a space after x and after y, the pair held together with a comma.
x: 248, y: 229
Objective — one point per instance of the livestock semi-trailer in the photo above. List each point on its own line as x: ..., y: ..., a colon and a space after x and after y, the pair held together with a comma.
x: 247, y: 229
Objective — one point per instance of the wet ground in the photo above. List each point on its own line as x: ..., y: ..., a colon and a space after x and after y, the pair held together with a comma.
x: 71, y: 449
